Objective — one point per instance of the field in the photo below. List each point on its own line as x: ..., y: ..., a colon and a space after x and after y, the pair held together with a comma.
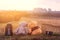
x: 30, y: 37
x: 47, y: 22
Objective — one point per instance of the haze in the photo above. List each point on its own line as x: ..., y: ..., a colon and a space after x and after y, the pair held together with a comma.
x: 29, y: 4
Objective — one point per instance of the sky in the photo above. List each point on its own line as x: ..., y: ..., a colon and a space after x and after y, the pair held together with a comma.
x: 29, y: 4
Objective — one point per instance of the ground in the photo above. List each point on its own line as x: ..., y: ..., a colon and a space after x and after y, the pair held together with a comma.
x: 30, y: 37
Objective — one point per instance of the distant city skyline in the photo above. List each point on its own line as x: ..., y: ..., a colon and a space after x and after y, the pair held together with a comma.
x: 29, y: 4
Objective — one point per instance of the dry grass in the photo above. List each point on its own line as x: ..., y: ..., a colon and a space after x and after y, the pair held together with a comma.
x: 30, y: 37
